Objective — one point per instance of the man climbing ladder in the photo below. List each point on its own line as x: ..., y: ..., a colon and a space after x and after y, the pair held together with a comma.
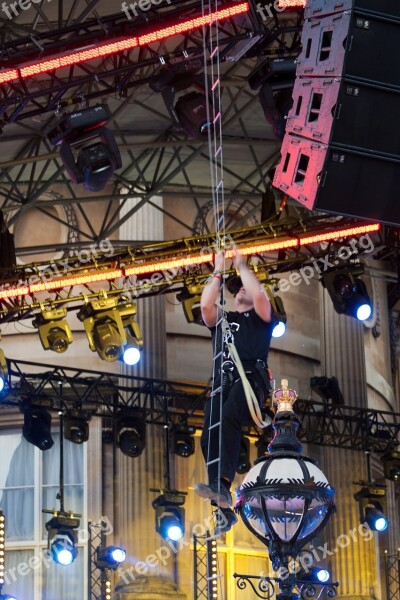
x: 248, y: 329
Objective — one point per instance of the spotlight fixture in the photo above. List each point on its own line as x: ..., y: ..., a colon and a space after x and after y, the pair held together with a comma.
x: 55, y: 333
x: 244, y: 456
x: 272, y: 287
x: 328, y: 388
x: 134, y: 342
x: 391, y: 465
x: 76, y: 428
x: 183, y: 440
x: 170, y: 515
x: 7, y: 597
x: 131, y: 433
x: 37, y: 427
x: 315, y: 574
x: 110, y: 557
x: 348, y: 292
x: 3, y: 371
x: 62, y: 538
x: 96, y: 162
x: 190, y: 298
x: 194, y: 112
x: 372, y: 504
x: 111, y: 329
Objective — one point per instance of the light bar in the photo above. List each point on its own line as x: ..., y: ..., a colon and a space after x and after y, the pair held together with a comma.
x: 84, y: 278
x: 338, y: 233
x: 284, y: 4
x: 174, y: 263
x: 76, y: 57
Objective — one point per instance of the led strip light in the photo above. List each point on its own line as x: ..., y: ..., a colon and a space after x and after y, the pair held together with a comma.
x: 173, y: 263
x: 76, y: 57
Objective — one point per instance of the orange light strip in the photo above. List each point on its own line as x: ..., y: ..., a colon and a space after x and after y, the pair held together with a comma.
x: 14, y: 292
x: 129, y: 43
x: 338, y: 233
x: 268, y: 247
x: 62, y: 282
x: 9, y: 75
x: 185, y: 26
x: 283, y: 4
x: 173, y: 263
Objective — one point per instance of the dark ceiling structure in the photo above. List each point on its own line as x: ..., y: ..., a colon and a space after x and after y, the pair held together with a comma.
x: 156, y: 156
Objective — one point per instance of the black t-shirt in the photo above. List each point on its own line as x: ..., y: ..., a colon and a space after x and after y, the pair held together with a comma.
x: 251, y: 335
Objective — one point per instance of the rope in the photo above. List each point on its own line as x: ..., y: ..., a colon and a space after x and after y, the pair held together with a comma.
x: 252, y: 401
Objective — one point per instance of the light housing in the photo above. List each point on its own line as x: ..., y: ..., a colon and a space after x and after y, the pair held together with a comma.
x: 327, y: 388
x: 110, y: 557
x: 272, y: 287
x: 37, y: 427
x: 315, y: 574
x: 194, y: 114
x: 170, y: 515
x: 132, y: 350
x: 130, y: 433
x: 76, y: 428
x: 372, y: 505
x: 104, y: 328
x: 190, y: 298
x: 62, y: 538
x: 391, y: 465
x: 98, y: 156
x: 182, y: 440
x: 55, y: 333
x: 348, y: 292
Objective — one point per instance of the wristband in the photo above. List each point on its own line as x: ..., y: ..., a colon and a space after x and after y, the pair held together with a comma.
x: 218, y: 276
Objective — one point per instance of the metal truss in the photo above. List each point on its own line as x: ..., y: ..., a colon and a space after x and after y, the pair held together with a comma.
x: 158, y: 160
x: 392, y: 572
x: 162, y: 265
x: 200, y: 571
x: 95, y: 393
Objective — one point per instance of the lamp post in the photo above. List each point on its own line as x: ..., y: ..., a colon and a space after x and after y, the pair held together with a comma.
x: 285, y: 499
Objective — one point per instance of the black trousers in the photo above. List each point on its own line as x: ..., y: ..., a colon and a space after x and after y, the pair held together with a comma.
x: 235, y: 414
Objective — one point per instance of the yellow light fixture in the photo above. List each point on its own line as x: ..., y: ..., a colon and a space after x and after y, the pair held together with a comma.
x: 54, y: 332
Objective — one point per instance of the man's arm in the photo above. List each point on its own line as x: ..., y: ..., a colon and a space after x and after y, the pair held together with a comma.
x: 210, y: 293
x: 262, y: 305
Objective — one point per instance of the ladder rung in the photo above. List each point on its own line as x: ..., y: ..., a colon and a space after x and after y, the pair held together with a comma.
x: 216, y: 391
x: 220, y: 353
x: 211, y: 462
x: 215, y: 425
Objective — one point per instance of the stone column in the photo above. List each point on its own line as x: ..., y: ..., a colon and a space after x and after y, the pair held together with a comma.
x: 134, y: 516
x: 353, y: 558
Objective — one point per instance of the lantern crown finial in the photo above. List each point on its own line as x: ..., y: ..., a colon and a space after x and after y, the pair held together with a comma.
x: 284, y: 398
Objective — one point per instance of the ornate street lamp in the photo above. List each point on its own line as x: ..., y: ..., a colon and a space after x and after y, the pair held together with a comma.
x: 285, y: 499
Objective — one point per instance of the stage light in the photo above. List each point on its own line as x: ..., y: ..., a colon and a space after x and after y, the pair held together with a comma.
x: 194, y: 112
x: 315, y: 575
x: 183, y: 440
x: 131, y: 433
x: 372, y: 505
x: 244, y: 456
x: 190, y: 298
x: 170, y: 515
x: 104, y: 328
x: 7, y: 597
x: 348, y: 292
x: 376, y: 519
x: 62, y: 540
x: 110, y: 557
x: 55, y: 333
x: 132, y: 349
x: 327, y: 388
x: 272, y: 287
x: 2, y: 547
x: 391, y: 465
x: 37, y: 428
x: 97, y: 161
x: 3, y: 371
x: 76, y: 428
